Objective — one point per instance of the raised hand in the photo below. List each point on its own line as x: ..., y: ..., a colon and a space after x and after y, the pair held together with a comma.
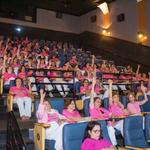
x: 42, y: 94
x: 143, y: 88
x: 110, y: 81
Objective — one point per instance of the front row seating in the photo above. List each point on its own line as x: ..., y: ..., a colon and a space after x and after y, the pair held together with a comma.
x: 72, y: 136
x: 134, y: 137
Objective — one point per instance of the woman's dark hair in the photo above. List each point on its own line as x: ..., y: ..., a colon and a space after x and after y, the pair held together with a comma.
x: 85, y: 80
x: 67, y: 103
x: 89, y: 127
x: 95, y: 98
x: 19, y: 79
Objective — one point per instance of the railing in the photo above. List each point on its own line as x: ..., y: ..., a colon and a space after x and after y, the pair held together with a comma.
x: 14, y: 137
x: 61, y: 76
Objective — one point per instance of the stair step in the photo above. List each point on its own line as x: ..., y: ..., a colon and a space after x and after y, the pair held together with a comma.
x: 29, y: 144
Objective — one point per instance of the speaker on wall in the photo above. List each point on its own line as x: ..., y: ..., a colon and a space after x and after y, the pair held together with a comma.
x: 120, y: 17
x: 59, y: 15
x: 93, y: 19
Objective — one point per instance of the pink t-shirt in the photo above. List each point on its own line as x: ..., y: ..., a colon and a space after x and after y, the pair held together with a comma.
x: 47, y: 117
x: 68, y: 114
x: 116, y: 110
x: 83, y: 89
x: 92, y: 144
x: 53, y: 117
x: 134, y: 108
x: 99, y: 113
x: 97, y: 89
x: 22, y: 75
x: 19, y: 91
x: 7, y: 76
x: 107, y: 76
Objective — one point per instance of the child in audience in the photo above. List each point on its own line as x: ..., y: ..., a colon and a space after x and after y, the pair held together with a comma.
x: 133, y: 105
x: 93, y: 138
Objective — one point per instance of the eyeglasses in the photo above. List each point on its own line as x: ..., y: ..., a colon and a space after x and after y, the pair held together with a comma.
x: 96, y: 131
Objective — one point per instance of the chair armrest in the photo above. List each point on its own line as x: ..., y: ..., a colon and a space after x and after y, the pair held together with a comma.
x: 1, y: 86
x: 145, y: 113
x: 9, y: 102
x: 32, y: 96
x: 39, y: 135
x: 79, y: 104
x: 119, y: 117
x: 44, y: 125
x: 131, y: 147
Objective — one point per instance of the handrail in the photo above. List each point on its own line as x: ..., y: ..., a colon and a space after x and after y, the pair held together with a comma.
x: 14, y: 136
x: 59, y: 76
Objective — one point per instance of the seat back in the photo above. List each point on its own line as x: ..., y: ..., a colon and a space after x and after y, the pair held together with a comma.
x: 73, y: 134
x: 133, y: 132
x: 147, y: 126
x: 86, y: 107
x: 124, y: 101
x: 145, y: 107
x: 56, y: 103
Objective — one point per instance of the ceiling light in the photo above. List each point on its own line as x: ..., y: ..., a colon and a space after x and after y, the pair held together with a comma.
x: 138, y: 0
x: 104, y: 8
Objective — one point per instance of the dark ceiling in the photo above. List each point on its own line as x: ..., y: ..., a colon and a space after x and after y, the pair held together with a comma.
x: 73, y: 7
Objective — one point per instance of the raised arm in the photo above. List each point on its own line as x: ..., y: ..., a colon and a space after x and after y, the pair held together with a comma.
x: 93, y: 59
x: 92, y: 90
x: 137, y: 71
x: 42, y: 96
x: 110, y: 82
x: 4, y: 65
x: 145, y: 96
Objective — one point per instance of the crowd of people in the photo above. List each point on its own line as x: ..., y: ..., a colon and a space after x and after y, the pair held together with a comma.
x: 25, y: 64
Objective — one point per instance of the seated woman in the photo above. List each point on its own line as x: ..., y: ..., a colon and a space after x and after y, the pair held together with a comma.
x: 98, y: 112
x: 70, y: 112
x: 133, y: 105
x: 21, y: 97
x: 93, y: 138
x: 47, y: 115
x: 85, y: 89
x: 116, y: 108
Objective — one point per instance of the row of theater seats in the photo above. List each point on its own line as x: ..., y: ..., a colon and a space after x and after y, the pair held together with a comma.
x: 134, y: 135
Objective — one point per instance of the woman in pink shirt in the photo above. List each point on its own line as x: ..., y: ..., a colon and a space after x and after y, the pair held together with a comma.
x: 8, y: 75
x: 45, y: 114
x: 21, y: 97
x: 115, y: 106
x: 133, y: 105
x: 70, y: 112
x: 93, y: 139
x: 85, y: 89
x: 98, y: 112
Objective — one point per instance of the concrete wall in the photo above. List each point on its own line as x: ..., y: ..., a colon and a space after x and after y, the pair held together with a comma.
x: 126, y: 30
x: 47, y: 20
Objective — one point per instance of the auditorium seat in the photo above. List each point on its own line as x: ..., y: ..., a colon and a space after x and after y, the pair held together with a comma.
x: 147, y: 127
x: 72, y: 136
x: 145, y: 107
x: 56, y: 103
x: 133, y: 133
